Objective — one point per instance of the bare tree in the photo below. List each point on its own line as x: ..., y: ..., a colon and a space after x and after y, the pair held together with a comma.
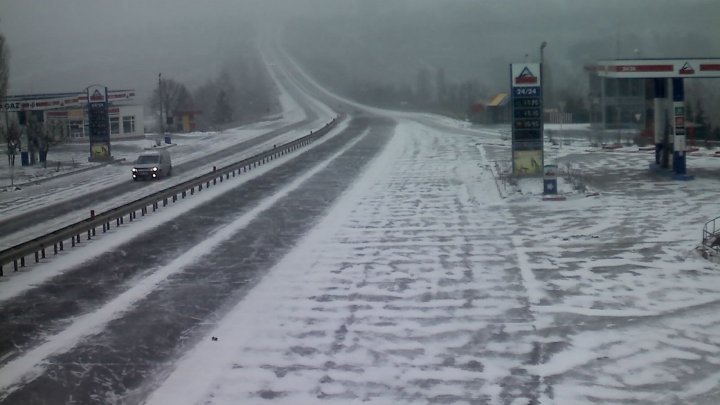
x: 4, y: 66
x: 34, y: 130
x: 54, y: 132
x: 169, y: 97
x: 42, y: 136
x: 13, y: 140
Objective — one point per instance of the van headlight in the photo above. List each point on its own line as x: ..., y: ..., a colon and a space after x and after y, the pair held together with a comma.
x: 134, y: 170
x: 154, y: 169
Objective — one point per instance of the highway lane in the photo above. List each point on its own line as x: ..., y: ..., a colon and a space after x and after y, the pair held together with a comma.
x: 134, y: 348
x: 11, y: 224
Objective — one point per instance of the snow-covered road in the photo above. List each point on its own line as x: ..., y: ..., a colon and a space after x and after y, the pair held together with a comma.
x: 423, y: 286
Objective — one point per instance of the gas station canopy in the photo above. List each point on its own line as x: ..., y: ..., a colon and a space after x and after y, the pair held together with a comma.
x: 659, y: 68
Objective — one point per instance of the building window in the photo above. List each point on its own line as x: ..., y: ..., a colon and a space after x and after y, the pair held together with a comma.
x: 129, y: 124
x: 114, y: 125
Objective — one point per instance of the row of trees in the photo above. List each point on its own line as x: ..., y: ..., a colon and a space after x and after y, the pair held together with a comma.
x: 242, y: 92
x: 10, y: 133
x: 434, y: 92
x: 40, y: 135
x: 431, y: 91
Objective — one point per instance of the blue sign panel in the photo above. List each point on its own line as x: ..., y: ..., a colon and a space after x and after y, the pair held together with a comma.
x: 527, y: 91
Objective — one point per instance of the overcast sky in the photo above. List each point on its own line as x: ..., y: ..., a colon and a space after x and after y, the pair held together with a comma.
x: 67, y: 45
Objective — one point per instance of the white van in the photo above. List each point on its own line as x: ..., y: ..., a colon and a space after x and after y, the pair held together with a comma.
x: 152, y: 164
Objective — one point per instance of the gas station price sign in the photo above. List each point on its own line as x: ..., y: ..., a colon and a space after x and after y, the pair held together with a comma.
x: 527, y: 118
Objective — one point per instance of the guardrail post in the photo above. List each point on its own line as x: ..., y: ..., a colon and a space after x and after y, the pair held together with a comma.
x: 93, y: 231
x: 37, y: 257
x: 130, y: 216
x: 117, y: 222
x: 207, y: 184
x: 73, y: 241
x: 55, y: 247
x: 215, y: 181
x: 42, y: 252
x: 183, y: 194
x: 15, y: 266
x: 89, y: 236
x: 22, y: 261
x: 155, y: 206
x: 165, y: 202
x: 1, y: 271
x: 174, y: 197
x: 62, y: 245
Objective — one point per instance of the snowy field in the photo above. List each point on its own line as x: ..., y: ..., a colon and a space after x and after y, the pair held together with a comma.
x: 424, y: 285
x: 433, y: 281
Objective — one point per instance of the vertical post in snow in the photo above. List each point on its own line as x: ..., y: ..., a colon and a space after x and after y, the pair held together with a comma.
x: 659, y: 122
x: 679, y: 159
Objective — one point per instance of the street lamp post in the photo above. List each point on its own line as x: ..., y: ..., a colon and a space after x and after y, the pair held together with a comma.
x: 542, y: 59
x: 160, y: 96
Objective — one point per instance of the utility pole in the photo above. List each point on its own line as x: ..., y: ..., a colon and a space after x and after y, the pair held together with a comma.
x: 162, y: 104
x: 542, y: 60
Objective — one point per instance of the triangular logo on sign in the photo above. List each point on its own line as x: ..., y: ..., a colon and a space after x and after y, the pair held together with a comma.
x: 526, y: 77
x: 97, y: 96
x: 686, y: 69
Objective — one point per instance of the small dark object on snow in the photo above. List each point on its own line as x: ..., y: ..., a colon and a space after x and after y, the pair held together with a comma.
x: 214, y: 339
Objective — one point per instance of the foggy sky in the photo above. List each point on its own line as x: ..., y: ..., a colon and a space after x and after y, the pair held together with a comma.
x: 67, y: 45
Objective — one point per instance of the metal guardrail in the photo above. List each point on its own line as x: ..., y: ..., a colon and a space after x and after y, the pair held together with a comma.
x: 711, y: 235
x: 55, y: 240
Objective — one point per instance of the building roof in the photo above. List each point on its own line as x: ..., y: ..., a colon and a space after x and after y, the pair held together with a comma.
x: 499, y: 100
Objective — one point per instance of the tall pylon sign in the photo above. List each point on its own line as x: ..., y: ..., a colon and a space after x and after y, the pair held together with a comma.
x: 527, y: 119
x: 98, y: 123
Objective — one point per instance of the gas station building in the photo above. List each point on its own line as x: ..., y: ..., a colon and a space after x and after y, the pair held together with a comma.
x: 69, y: 111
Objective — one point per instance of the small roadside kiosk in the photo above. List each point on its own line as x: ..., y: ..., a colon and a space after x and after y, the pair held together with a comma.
x: 668, y: 102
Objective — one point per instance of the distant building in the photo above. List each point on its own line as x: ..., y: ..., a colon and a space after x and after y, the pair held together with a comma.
x: 69, y: 110
x: 494, y: 111
x: 619, y: 103
x: 184, y: 121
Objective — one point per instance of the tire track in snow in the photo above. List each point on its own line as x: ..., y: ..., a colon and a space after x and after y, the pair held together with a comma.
x: 23, y: 370
x: 403, y: 293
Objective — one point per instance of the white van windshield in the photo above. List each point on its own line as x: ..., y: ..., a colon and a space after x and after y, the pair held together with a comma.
x: 148, y: 159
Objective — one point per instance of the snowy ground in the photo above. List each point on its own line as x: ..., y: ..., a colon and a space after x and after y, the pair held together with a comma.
x: 432, y: 281
x: 423, y: 285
